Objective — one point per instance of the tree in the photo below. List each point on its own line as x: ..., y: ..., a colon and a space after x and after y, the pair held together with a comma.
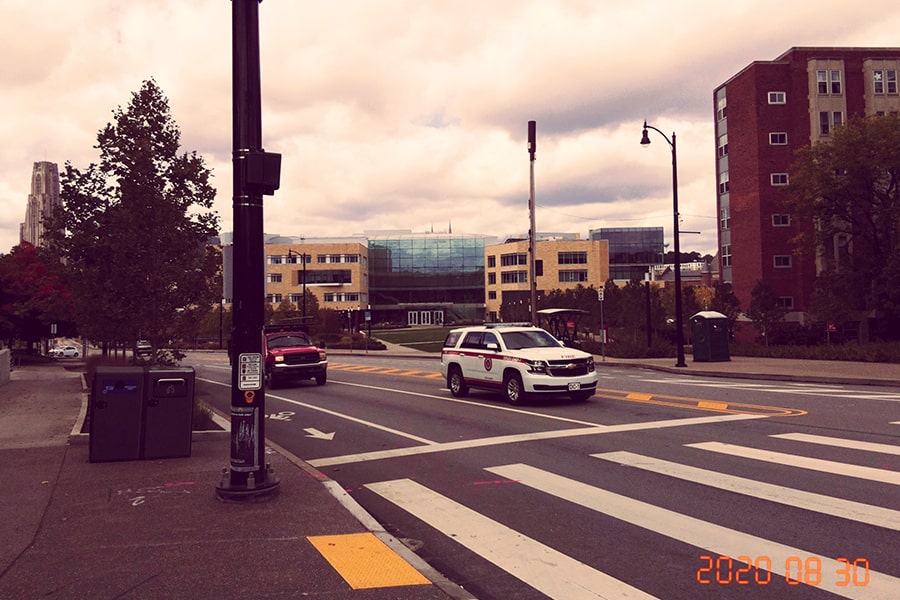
x: 764, y: 310
x: 134, y: 227
x: 850, y: 188
x: 725, y: 302
x: 33, y: 296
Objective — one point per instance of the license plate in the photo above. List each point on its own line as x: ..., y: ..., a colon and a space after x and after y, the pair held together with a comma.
x: 574, y: 386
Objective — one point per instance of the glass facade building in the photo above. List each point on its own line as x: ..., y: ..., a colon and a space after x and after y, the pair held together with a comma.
x: 631, y: 250
x: 426, y: 278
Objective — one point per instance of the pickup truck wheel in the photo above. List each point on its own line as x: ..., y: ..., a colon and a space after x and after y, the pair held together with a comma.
x: 321, y: 379
x: 512, y: 386
x: 270, y: 381
x: 456, y: 383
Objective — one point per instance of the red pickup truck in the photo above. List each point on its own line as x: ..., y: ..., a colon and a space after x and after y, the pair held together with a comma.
x: 292, y: 355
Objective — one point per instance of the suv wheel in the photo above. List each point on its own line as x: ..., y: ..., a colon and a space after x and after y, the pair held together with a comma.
x: 512, y: 386
x: 321, y: 379
x: 456, y: 383
x: 581, y: 395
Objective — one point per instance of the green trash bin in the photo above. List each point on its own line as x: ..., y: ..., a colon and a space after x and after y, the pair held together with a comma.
x: 168, y: 413
x: 116, y: 415
x: 709, y: 333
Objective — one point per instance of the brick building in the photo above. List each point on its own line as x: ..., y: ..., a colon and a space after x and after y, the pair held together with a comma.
x: 764, y: 114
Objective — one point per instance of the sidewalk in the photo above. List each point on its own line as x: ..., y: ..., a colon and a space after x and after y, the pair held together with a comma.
x: 155, y: 528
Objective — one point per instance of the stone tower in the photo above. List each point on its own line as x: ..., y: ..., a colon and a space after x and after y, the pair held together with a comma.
x: 42, y: 202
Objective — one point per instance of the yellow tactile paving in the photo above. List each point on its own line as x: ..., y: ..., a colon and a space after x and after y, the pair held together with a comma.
x: 366, y: 562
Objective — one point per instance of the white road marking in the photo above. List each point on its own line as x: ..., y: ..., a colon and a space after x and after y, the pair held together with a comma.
x: 522, y: 437
x: 541, y: 567
x: 802, y: 462
x: 840, y: 442
x: 714, y: 538
x: 845, y: 509
x: 337, y: 414
x: 784, y: 388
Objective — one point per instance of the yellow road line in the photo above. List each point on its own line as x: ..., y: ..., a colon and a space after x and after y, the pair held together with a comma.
x: 366, y: 562
x: 699, y: 403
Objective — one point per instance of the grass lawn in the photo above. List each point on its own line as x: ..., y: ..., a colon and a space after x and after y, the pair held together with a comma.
x: 429, y: 339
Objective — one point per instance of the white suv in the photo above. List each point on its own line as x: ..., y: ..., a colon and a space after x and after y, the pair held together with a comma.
x: 521, y: 360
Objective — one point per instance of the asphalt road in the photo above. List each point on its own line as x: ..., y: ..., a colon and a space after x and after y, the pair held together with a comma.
x: 661, y: 485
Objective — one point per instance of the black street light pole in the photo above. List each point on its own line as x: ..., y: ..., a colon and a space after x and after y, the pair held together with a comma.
x: 679, y: 333
x: 303, y: 260
x: 256, y: 173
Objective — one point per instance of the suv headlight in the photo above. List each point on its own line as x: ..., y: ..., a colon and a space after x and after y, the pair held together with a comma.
x: 590, y: 364
x: 538, y: 366
x: 279, y: 358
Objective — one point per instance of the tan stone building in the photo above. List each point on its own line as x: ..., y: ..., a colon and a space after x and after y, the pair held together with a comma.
x: 43, y: 200
x: 334, y: 270
x: 559, y: 264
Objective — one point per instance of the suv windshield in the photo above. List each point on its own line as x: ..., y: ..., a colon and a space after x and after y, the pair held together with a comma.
x: 516, y: 340
x: 288, y: 341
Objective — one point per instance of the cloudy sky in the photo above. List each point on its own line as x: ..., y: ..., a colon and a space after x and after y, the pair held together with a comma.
x: 412, y: 114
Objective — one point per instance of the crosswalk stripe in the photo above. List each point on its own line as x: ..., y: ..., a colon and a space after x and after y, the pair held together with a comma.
x: 840, y: 442
x: 712, y: 537
x: 541, y: 567
x: 845, y: 509
x: 812, y: 464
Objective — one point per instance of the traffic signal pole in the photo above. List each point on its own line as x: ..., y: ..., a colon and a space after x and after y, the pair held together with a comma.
x: 256, y: 173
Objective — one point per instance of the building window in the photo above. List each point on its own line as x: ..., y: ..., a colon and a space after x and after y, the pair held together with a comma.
x: 326, y: 277
x: 777, y: 97
x: 514, y: 277
x: 830, y: 120
x: 575, y: 276
x: 492, y: 278
x: 722, y: 145
x: 273, y: 298
x: 781, y: 220
x: 779, y: 178
x: 726, y: 255
x: 724, y: 184
x: 778, y: 138
x: 885, y: 82
x: 515, y: 259
x: 492, y: 295
x: 295, y: 298
x: 492, y: 262
x: 828, y: 82
x: 572, y: 258
x: 782, y: 261
x: 824, y: 124
x: 721, y: 108
x: 273, y: 278
x: 725, y: 218
x: 786, y: 302
x: 273, y: 260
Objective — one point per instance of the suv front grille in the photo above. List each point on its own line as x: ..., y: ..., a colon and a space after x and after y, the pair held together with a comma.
x: 571, y: 368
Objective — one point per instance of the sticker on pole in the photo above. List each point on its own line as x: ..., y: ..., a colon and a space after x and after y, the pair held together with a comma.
x: 250, y: 373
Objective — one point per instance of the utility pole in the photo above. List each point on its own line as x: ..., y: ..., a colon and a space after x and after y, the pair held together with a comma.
x: 532, y: 234
x: 256, y: 173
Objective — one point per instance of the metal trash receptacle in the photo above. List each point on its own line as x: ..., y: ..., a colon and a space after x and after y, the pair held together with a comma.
x: 709, y: 337
x: 168, y: 412
x: 117, y: 398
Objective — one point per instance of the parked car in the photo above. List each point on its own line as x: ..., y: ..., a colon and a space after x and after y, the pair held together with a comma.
x: 143, y: 348
x: 64, y: 352
x: 519, y: 360
x: 292, y: 355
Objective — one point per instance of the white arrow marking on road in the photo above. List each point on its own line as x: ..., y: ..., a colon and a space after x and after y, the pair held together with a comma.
x: 315, y: 433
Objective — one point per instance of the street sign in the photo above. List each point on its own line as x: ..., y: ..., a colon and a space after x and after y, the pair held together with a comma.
x: 250, y: 375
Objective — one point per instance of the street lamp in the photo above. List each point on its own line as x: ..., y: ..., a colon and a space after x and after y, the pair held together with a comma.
x: 679, y: 331
x: 303, y: 260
